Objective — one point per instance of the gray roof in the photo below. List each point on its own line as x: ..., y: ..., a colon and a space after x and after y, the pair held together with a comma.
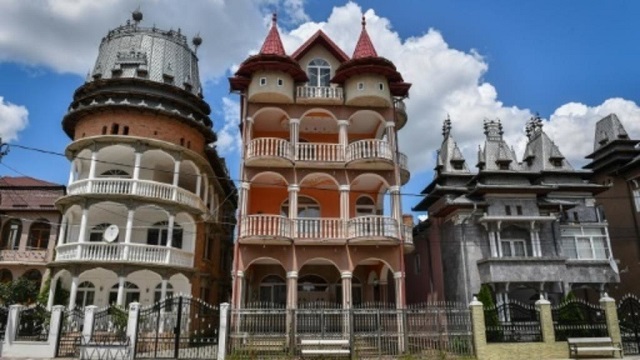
x: 449, y: 153
x: 496, y: 151
x: 541, y: 153
x: 132, y: 51
x: 608, y: 129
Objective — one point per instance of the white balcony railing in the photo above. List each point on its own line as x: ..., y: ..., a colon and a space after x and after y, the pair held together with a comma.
x: 269, y: 147
x: 146, y: 188
x: 322, y: 152
x: 265, y: 226
x: 319, y: 92
x: 318, y: 228
x: 408, y: 234
x: 373, y: 226
x: 369, y: 149
x: 133, y: 253
x: 403, y: 161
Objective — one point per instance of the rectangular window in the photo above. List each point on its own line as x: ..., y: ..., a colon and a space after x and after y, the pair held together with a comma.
x: 263, y: 81
x: 585, y: 243
x: 280, y: 82
x: 519, y: 210
x: 507, y: 210
x: 513, y: 247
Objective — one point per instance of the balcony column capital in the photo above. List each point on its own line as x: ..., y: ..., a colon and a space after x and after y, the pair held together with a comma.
x: 293, y: 121
x: 346, y: 275
x: 395, y: 189
x: 245, y: 185
x: 344, y: 123
x: 249, y: 119
x: 344, y: 188
x: 292, y: 274
x: 390, y: 124
x: 240, y: 274
x: 293, y: 188
x: 398, y: 275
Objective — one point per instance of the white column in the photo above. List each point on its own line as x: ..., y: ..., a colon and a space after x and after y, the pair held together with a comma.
x: 390, y: 128
x: 92, y: 168
x: 292, y: 289
x: 163, y: 288
x: 136, y: 172
x: 347, y: 299
x: 343, y: 136
x: 176, y: 177
x: 294, y: 128
x: 240, y: 288
x: 63, y: 230
x: 73, y: 293
x: 249, y: 128
x: 52, y: 292
x: 72, y: 172
x: 82, y: 236
x: 120, y: 298
x: 224, y: 331
x: 344, y: 207
x: 205, y: 196
x: 399, y: 279
x: 244, y: 197
x: 293, y: 208
x: 170, y: 225
x: 89, y: 322
x: 396, y: 206
x: 492, y: 243
x: 127, y: 232
x: 198, y: 184
x: 132, y: 322
x: 498, y: 239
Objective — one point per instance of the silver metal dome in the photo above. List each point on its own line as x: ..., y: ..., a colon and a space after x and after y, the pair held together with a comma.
x: 132, y: 51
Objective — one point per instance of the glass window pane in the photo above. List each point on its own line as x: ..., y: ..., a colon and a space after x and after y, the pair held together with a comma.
x: 506, y: 248
x: 600, y: 246
x: 584, y: 248
x: 518, y: 248
x: 569, y: 247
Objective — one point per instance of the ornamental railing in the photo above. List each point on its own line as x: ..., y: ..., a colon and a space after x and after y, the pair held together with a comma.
x: 134, y: 253
x: 512, y: 322
x: 369, y: 149
x: 318, y: 228
x: 575, y: 318
x: 27, y: 255
x: 373, y: 226
x: 269, y: 147
x: 265, y: 226
x: 321, y: 152
x: 319, y: 92
x: 146, y: 188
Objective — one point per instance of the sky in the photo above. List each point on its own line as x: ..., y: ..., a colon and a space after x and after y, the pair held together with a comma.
x: 572, y: 62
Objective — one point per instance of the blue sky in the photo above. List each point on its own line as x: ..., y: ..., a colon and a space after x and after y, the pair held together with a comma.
x: 572, y: 61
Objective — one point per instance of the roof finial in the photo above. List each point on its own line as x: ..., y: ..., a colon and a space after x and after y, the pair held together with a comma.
x: 137, y: 15
x: 364, y: 21
x: 274, y: 18
x: 446, y: 126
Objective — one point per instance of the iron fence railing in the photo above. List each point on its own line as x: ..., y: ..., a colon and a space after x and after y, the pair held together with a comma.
x: 575, y: 318
x: 70, y: 336
x: 33, y: 324
x: 512, y: 322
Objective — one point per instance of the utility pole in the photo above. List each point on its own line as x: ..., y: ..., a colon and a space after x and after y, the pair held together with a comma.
x: 4, y: 149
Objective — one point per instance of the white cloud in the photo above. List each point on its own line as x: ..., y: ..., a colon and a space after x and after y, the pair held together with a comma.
x: 13, y: 119
x: 229, y: 140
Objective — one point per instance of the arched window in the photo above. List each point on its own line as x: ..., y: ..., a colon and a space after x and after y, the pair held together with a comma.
x: 365, y: 206
x: 34, y: 276
x: 117, y: 173
x: 5, y: 276
x: 307, y: 208
x: 157, y: 235
x: 11, y: 234
x: 319, y: 72
x: 157, y: 296
x: 273, y: 290
x: 39, y: 235
x: 96, y: 233
x: 131, y: 293
x: 309, y: 283
x: 85, y: 295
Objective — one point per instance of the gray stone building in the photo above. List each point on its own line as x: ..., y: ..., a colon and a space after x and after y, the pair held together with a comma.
x: 523, y: 228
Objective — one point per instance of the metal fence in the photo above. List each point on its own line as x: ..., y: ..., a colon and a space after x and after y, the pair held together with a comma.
x: 629, y: 317
x: 512, y: 322
x: 110, y: 325
x: 70, y: 335
x: 576, y: 318
x: 4, y: 316
x: 434, y: 329
x: 33, y: 324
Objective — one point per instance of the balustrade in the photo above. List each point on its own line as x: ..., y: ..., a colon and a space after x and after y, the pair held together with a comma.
x: 322, y: 152
x: 269, y: 147
x: 319, y: 92
x: 369, y: 149
x: 134, y: 253
x: 373, y: 226
x: 146, y: 188
x: 265, y: 225
x: 318, y: 228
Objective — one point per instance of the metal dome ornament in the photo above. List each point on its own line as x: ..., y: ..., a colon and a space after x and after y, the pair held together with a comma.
x: 136, y: 15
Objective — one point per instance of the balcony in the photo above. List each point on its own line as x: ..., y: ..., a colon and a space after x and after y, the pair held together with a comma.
x: 268, y: 152
x: 143, y: 188
x: 401, y: 114
x: 403, y: 163
x: 522, y: 269
x: 320, y: 153
x: 364, y: 230
x: 319, y: 95
x: 265, y: 229
x: 370, y: 154
x: 26, y: 256
x: 123, y: 253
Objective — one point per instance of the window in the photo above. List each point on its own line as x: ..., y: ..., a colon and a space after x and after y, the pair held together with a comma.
x: 307, y: 208
x: 381, y: 86
x: 116, y: 173
x: 125, y: 130
x: 360, y: 86
x: 280, y: 82
x: 636, y: 199
x: 518, y: 209
x: 86, y: 294
x: 585, y: 243
x: 263, y: 81
x: 513, y: 247
x: 157, y: 295
x: 96, y: 232
x: 115, y: 128
x: 11, y: 234
x: 417, y: 266
x: 365, y: 206
x: 39, y: 235
x: 104, y: 130
x: 157, y: 235
x: 131, y: 294
x: 273, y: 290
x: 319, y: 72
x: 507, y: 210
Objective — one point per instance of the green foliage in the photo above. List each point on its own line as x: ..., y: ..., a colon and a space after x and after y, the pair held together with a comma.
x: 19, y: 291
x: 486, y: 298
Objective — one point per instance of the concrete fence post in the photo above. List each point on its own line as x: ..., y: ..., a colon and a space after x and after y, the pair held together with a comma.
x: 546, y: 321
x: 611, y: 317
x: 224, y: 331
x: 132, y: 327
x: 478, y: 329
x: 89, y: 323
x: 13, y: 320
x: 55, y: 324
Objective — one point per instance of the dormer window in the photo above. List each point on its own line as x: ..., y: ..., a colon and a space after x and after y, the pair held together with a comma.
x: 556, y: 162
x: 319, y: 72
x: 360, y: 86
x: 263, y: 81
x: 503, y: 166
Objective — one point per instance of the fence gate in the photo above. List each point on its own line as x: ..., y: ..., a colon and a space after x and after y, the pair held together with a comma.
x: 70, y: 334
x: 4, y: 315
x: 629, y: 317
x: 178, y: 328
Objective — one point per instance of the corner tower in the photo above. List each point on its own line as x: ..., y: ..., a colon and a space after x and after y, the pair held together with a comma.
x: 147, y: 192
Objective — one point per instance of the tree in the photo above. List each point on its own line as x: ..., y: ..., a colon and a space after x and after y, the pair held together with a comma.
x: 19, y: 291
x: 491, y: 321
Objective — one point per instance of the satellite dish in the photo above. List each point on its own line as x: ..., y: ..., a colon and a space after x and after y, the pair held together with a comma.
x: 110, y: 233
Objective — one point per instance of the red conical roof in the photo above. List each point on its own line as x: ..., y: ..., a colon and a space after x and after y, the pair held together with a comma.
x: 272, y: 44
x: 364, y: 47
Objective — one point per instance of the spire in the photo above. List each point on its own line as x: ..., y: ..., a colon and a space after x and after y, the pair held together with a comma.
x: 272, y: 44
x: 446, y: 127
x: 364, y: 47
